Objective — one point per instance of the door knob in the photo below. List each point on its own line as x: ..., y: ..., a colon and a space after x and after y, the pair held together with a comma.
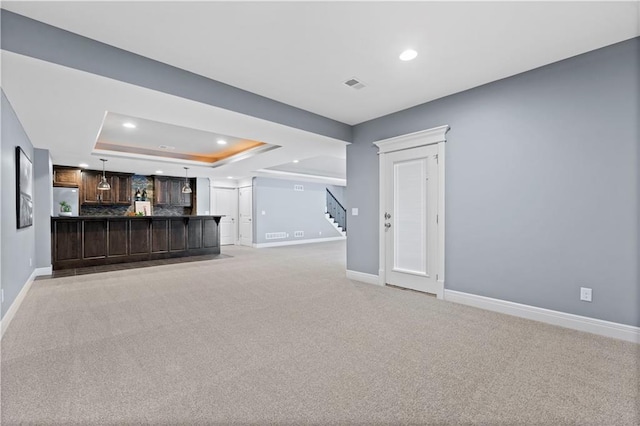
x: 387, y: 225
x: 387, y: 216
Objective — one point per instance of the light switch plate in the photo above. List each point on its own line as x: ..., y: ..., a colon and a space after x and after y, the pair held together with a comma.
x: 354, y: 211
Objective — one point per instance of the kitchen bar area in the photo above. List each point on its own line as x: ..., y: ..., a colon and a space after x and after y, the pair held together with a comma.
x: 108, y: 218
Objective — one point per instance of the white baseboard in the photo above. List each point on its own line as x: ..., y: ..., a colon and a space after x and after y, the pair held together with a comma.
x: 47, y: 270
x: 296, y: 242
x: 362, y: 277
x: 562, y: 319
x: 11, y: 312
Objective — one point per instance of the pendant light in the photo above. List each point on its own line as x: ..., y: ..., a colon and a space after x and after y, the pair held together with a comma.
x: 186, y: 188
x: 103, y: 185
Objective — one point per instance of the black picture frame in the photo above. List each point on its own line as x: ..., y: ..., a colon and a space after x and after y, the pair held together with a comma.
x: 24, y: 189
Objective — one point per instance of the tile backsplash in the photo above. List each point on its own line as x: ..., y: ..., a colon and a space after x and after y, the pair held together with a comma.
x: 141, y: 183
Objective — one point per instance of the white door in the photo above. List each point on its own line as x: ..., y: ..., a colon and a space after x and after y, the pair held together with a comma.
x: 410, y: 213
x: 245, y: 203
x: 225, y: 204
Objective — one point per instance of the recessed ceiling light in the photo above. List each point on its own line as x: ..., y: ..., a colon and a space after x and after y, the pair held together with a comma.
x: 159, y: 172
x: 229, y: 177
x: 129, y: 125
x: 222, y: 142
x: 408, y: 55
x: 83, y: 165
x: 296, y: 161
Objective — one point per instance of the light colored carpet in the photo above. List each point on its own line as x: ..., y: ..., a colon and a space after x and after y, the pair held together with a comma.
x: 280, y: 336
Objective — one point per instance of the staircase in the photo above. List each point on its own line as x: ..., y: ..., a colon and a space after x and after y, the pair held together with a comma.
x: 336, y: 214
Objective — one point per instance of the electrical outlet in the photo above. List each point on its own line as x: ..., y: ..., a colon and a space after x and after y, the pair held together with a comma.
x: 585, y: 294
x: 30, y: 262
x: 2, y: 295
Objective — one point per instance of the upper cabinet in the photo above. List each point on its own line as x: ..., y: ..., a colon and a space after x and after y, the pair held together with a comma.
x: 89, y: 193
x: 68, y: 177
x: 119, y: 194
x: 168, y: 191
x: 121, y: 187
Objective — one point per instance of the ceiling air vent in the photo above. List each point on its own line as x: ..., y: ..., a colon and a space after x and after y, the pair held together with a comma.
x: 354, y: 83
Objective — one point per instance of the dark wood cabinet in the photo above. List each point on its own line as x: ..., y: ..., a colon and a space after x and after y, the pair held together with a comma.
x: 119, y: 194
x: 121, y: 187
x: 177, y: 235
x: 118, y: 243
x: 160, y: 236
x: 161, y: 191
x: 66, y: 243
x: 89, y: 193
x: 168, y: 192
x: 92, y: 241
x: 68, y: 177
x: 175, y: 192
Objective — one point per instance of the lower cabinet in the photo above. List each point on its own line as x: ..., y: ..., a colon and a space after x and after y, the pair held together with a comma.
x: 159, y: 236
x: 92, y: 241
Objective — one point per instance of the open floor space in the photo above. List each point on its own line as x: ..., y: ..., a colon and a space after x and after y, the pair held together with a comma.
x: 280, y: 336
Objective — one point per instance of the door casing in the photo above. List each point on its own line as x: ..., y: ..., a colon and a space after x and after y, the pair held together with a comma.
x: 436, y: 135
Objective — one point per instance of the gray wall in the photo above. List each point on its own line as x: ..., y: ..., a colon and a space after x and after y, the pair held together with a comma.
x: 541, y: 185
x: 288, y: 211
x: 42, y: 208
x: 36, y: 39
x: 18, y: 245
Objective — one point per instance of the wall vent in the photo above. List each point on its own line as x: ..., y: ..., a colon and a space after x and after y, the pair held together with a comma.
x: 354, y: 83
x: 298, y: 234
x: 275, y: 235
x: 298, y: 187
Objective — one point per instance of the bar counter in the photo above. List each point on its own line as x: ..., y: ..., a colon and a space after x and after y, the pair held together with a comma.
x: 80, y: 241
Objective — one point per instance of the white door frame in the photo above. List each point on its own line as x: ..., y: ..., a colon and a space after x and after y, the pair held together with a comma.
x: 431, y: 136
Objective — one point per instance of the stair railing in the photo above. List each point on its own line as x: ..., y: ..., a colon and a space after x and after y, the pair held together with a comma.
x: 336, y: 211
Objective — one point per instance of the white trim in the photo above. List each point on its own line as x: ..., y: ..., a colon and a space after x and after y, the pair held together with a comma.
x: 363, y: 277
x: 441, y: 216
x: 278, y: 174
x: 413, y: 140
x: 381, y: 277
x: 562, y: 319
x: 296, y: 242
x: 6, y: 320
x: 435, y: 135
x: 47, y: 270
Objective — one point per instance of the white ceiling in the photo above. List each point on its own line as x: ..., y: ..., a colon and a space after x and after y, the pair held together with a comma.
x: 153, y: 139
x: 151, y: 134
x: 298, y: 53
x: 62, y: 109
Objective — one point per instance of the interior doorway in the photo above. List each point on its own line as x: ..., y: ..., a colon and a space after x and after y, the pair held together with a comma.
x: 225, y: 204
x: 412, y: 211
x: 245, y: 204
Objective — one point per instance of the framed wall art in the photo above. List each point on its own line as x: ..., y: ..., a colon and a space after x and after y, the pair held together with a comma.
x: 24, y: 189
